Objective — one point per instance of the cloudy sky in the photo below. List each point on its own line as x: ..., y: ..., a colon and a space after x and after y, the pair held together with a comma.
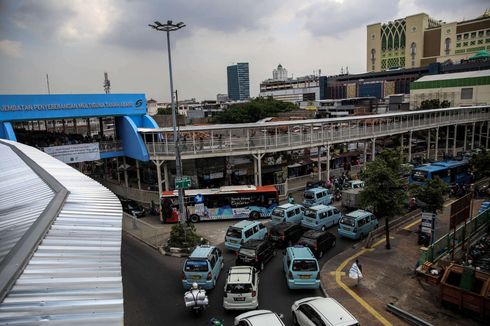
x: 76, y: 41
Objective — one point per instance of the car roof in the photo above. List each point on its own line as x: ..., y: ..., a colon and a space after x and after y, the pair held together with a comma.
x: 301, y: 252
x: 315, y: 234
x: 240, y: 274
x: 252, y: 244
x: 261, y: 317
x: 316, y: 189
x: 282, y: 226
x: 359, y: 213
x: 287, y: 205
x: 322, y: 207
x: 201, y: 251
x: 332, y: 311
x: 244, y: 224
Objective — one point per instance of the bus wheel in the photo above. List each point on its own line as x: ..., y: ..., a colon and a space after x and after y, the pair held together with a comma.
x: 254, y: 215
x: 194, y: 218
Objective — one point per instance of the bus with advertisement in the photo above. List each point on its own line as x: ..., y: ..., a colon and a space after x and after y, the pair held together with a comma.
x: 228, y: 202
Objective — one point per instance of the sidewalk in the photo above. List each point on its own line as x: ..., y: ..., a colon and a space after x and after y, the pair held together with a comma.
x: 388, y: 278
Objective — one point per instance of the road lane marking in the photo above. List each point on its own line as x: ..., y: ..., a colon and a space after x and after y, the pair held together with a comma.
x: 407, y: 227
x: 338, y: 274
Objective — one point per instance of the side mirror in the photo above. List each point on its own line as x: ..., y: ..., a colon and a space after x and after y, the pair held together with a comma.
x: 280, y: 316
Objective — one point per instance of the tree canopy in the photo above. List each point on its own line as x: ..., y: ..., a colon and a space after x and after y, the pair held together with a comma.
x: 164, y: 111
x: 481, y: 164
x: 431, y: 194
x: 384, y: 189
x: 253, y: 111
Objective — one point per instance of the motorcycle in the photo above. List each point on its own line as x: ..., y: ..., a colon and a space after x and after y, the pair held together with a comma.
x: 196, y: 299
x: 216, y: 322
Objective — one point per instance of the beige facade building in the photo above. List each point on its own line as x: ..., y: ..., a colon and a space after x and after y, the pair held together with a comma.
x: 459, y: 89
x: 418, y: 40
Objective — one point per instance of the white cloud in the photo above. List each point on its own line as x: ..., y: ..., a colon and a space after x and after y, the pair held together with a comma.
x: 11, y: 48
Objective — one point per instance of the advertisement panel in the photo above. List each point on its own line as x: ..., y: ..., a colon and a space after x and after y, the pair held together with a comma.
x: 75, y: 153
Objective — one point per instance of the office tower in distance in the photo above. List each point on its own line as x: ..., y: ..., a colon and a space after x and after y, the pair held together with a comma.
x: 238, y: 81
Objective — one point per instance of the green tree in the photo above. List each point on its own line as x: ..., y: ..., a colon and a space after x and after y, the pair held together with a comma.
x: 383, y: 191
x: 481, y: 164
x: 431, y: 194
x: 182, y: 236
x: 253, y: 111
x: 164, y: 111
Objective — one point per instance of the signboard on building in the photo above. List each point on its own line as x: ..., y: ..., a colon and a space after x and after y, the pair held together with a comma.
x: 75, y: 153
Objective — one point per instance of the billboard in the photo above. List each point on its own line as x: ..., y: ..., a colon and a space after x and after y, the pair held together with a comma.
x: 75, y: 153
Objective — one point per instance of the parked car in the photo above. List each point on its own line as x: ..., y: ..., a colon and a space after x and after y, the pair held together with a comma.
x: 285, y: 234
x: 203, y: 267
x: 242, y: 232
x: 241, y: 288
x: 259, y: 318
x: 287, y: 213
x: 321, y: 311
x: 133, y: 208
x: 318, y: 241
x: 255, y: 253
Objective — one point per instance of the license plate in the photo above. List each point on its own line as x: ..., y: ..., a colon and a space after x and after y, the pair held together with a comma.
x: 196, y: 277
x: 304, y: 276
x: 240, y: 299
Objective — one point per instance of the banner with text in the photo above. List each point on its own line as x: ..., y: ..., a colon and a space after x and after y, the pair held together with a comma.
x: 75, y: 153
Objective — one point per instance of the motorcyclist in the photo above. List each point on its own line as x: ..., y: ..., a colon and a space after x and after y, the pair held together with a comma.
x: 196, y: 298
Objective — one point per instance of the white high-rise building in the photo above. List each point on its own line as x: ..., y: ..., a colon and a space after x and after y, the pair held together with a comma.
x: 280, y: 73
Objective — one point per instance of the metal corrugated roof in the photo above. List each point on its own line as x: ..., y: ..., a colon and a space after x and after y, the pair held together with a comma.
x: 74, y: 275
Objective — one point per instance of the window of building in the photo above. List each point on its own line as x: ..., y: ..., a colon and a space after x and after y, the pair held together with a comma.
x: 472, y: 43
x: 466, y: 93
x: 488, y: 32
x: 413, y: 49
x: 473, y: 34
x: 465, y: 43
x: 466, y: 36
x: 480, y: 42
x: 480, y: 33
x: 458, y: 45
x: 458, y: 37
x: 447, y: 42
x: 487, y: 40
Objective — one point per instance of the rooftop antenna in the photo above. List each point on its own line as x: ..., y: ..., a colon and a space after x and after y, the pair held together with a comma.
x: 47, y: 82
x: 107, y: 83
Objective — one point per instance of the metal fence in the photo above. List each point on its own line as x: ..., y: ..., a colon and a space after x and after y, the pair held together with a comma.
x: 444, y: 245
x: 153, y: 235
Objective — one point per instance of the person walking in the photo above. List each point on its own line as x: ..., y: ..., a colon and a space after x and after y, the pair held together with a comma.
x: 290, y: 199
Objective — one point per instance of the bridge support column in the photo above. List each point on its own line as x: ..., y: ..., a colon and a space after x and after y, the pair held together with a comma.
x: 125, y: 172
x: 410, y: 146
x: 401, y: 147
x: 473, y: 136
x: 159, y: 180
x: 488, y: 129
x: 428, y: 144
x: 436, y: 154
x: 258, y: 169
x: 479, y: 135
x: 465, y: 137
x: 373, y: 149
x: 365, y: 152
x: 447, y: 142
x: 165, y: 175
x: 117, y: 170
x: 319, y: 163
x: 454, y: 139
x: 328, y: 160
x: 138, y: 174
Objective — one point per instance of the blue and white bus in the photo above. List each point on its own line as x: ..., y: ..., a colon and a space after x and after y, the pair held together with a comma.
x: 451, y: 172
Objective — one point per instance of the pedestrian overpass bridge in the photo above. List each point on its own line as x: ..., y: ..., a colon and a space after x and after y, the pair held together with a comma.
x: 258, y: 139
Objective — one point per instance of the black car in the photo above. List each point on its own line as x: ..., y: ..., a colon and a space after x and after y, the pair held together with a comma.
x: 255, y: 253
x: 285, y: 234
x: 318, y: 241
x: 133, y: 208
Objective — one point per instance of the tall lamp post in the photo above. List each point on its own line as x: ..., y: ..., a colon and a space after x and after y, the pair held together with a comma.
x: 170, y: 27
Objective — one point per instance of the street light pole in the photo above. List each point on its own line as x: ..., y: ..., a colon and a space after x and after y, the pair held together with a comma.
x: 170, y: 27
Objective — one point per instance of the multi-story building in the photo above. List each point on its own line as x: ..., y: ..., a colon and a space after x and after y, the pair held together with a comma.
x: 300, y: 90
x: 238, y: 81
x: 280, y: 73
x: 419, y: 40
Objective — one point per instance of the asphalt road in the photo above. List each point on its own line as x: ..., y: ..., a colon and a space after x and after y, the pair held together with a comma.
x: 153, y: 294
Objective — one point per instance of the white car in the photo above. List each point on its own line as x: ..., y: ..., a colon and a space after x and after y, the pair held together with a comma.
x: 241, y: 289
x: 321, y: 311
x: 258, y: 318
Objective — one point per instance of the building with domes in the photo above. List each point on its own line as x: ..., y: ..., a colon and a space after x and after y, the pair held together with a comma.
x: 280, y: 73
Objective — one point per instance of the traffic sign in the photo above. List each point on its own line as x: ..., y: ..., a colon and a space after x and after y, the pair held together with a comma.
x: 183, y: 183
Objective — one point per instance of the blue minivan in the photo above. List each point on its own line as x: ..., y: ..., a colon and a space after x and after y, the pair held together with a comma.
x: 242, y: 232
x: 287, y: 213
x: 357, y: 224
x: 202, y: 267
x: 320, y: 217
x: 317, y: 196
x: 301, y: 268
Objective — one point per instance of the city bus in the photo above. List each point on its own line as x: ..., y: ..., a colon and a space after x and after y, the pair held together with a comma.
x: 451, y: 172
x: 230, y: 202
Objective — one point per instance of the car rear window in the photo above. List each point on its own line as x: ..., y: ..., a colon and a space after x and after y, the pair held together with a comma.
x: 309, y: 195
x: 305, y: 265
x: 278, y: 212
x: 307, y: 241
x: 196, y: 266
x: 347, y: 220
x: 247, y: 252
x: 239, y: 288
x: 234, y: 232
